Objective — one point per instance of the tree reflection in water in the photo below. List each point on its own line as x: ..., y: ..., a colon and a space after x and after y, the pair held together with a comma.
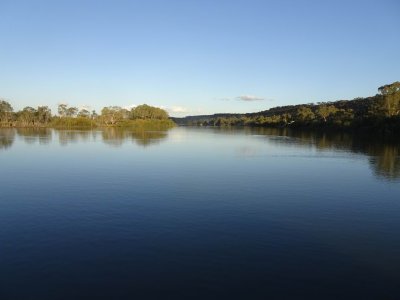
x: 42, y: 136
x: 383, y: 154
x: 385, y: 161
x: 142, y: 137
x: 7, y: 136
x: 66, y: 137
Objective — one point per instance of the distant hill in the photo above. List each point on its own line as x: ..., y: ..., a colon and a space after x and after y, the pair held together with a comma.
x: 381, y: 110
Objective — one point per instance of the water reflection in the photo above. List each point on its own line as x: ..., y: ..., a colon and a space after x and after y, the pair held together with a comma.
x: 7, y: 137
x: 110, y: 136
x: 66, y: 137
x: 117, y: 136
x: 42, y: 136
x: 383, y: 154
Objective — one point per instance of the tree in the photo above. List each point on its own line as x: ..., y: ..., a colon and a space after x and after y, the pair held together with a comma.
x: 305, y: 114
x: 84, y: 113
x: 112, y: 114
x: 390, y: 88
x: 43, y: 114
x: 27, y: 116
x: 391, y: 98
x: 5, y: 111
x: 72, y: 111
x: 286, y: 117
x: 62, y: 110
x: 94, y: 115
x: 145, y: 111
x: 324, y: 111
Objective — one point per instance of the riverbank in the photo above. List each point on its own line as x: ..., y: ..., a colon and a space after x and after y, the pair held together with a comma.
x: 88, y: 123
x: 375, y: 125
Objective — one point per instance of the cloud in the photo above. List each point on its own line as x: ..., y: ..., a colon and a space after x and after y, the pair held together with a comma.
x: 245, y: 98
x: 129, y: 107
x: 177, y: 109
x: 249, y: 98
x: 180, y: 111
x: 87, y: 107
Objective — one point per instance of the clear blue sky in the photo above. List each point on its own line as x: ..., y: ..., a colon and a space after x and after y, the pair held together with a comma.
x: 195, y: 57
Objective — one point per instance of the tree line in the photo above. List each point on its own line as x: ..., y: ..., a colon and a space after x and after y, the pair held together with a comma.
x: 72, y: 116
x: 381, y: 110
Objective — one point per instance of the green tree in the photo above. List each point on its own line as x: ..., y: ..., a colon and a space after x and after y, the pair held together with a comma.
x: 111, y: 115
x: 94, y: 115
x: 324, y: 111
x: 5, y: 111
x: 145, y: 111
x: 27, y: 116
x: 84, y: 113
x: 305, y: 114
x: 72, y: 111
x: 62, y: 110
x: 391, y: 98
x: 43, y: 114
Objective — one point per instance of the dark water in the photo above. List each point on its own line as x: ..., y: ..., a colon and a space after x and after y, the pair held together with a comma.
x: 198, y: 214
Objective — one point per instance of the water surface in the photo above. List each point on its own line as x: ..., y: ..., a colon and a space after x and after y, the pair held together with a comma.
x: 198, y: 213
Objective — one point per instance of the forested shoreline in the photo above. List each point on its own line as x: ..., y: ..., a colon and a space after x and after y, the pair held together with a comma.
x: 377, y: 113
x: 111, y: 116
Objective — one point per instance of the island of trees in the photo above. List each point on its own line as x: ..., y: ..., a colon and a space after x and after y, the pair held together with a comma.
x: 379, y: 112
x: 142, y: 115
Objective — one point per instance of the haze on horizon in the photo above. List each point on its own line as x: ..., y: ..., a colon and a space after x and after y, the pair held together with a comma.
x: 195, y: 57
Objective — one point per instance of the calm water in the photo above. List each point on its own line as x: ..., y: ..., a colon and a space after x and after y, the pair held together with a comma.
x: 197, y: 213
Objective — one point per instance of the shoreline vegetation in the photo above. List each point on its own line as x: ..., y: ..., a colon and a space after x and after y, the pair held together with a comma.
x: 379, y: 113
x: 142, y: 116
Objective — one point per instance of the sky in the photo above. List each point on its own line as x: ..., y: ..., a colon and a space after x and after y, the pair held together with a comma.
x: 196, y: 57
